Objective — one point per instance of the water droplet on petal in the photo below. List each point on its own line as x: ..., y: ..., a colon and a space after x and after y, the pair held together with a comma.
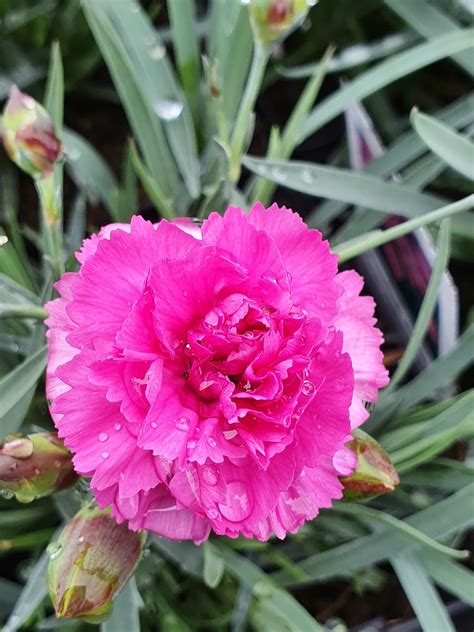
x: 213, y: 513
x: 117, y: 427
x: 168, y: 110
x: 81, y: 539
x: 212, y: 442
x: 103, y: 437
x: 105, y: 455
x: 239, y: 503
x: 210, y: 475
x: 229, y: 434
x: 308, y: 388
x: 182, y: 423
x: 154, y: 424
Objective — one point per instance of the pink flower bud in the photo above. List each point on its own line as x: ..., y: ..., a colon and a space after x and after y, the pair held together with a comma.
x: 34, y: 466
x: 273, y: 19
x: 374, y: 474
x: 28, y: 135
x: 90, y: 563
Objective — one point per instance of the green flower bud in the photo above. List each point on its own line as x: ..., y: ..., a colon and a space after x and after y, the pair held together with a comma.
x: 90, y: 563
x: 273, y: 19
x: 374, y: 474
x: 34, y: 466
x: 28, y: 135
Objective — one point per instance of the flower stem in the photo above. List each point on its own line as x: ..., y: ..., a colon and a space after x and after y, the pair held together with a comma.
x: 51, y: 221
x: 241, y: 128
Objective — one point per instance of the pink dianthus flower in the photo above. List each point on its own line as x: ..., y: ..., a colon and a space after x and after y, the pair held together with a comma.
x: 210, y: 379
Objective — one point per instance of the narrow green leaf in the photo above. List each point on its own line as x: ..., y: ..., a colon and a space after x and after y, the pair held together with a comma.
x: 386, y: 73
x: 15, y: 386
x: 403, y: 151
x: 423, y: 597
x: 377, y: 238
x: 139, y: 50
x: 456, y: 579
x: 125, y: 616
x: 277, y: 600
x: 33, y: 593
x: 214, y: 565
x: 343, y: 184
x: 456, y: 150
x: 129, y: 84
x: 185, y: 44
x: 427, y: 307
x: 429, y: 21
x: 438, y: 374
x: 438, y: 521
x: 54, y: 96
x: 369, y: 514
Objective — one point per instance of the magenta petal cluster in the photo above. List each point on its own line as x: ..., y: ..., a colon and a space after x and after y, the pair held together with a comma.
x: 209, y: 379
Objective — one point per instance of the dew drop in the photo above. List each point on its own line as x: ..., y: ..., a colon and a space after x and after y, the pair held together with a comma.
x: 168, y: 110
x: 229, y: 434
x: 308, y: 388
x: 213, y: 513
x: 54, y: 550
x: 37, y: 471
x: 187, y: 347
x: 182, y: 423
x: 103, y: 437
x: 157, y: 52
x: 117, y: 427
x: 278, y: 174
x: 212, y: 442
x: 239, y: 503
x: 210, y: 475
x: 81, y: 539
x: 105, y: 455
x: 307, y: 177
x: 154, y: 424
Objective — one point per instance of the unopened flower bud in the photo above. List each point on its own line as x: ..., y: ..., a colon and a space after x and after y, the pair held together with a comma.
x: 374, y: 474
x: 273, y: 19
x: 90, y: 563
x: 28, y: 135
x: 32, y: 466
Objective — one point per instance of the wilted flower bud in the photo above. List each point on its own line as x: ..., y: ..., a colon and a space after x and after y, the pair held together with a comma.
x: 28, y: 135
x: 374, y: 474
x: 272, y: 19
x: 34, y: 466
x: 92, y: 560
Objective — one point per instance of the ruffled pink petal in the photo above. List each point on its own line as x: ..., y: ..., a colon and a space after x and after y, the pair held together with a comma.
x: 310, y: 265
x: 362, y: 341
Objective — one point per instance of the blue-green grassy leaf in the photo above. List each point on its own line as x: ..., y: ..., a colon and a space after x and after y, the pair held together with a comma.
x: 455, y: 150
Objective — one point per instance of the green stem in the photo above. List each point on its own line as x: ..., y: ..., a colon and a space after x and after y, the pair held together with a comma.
x: 241, y: 128
x: 355, y: 247
x: 22, y: 311
x: 51, y: 221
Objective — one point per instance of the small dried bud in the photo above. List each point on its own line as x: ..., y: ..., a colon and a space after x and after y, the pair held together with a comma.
x: 374, y: 474
x: 273, y: 19
x: 28, y: 135
x: 90, y: 563
x: 34, y: 466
